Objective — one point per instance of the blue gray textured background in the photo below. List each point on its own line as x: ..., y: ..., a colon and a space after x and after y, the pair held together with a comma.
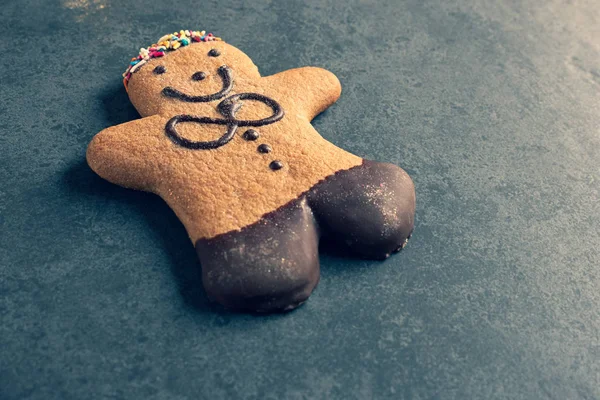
x: 493, y: 107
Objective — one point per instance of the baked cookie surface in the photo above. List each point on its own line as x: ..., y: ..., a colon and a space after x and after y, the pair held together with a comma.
x: 233, y: 153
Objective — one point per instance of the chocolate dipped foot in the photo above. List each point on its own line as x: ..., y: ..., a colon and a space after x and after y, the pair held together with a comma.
x: 368, y: 209
x: 272, y: 265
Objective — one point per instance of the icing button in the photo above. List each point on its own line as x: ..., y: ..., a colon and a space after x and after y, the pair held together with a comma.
x: 250, y: 135
x: 264, y: 148
x: 276, y: 165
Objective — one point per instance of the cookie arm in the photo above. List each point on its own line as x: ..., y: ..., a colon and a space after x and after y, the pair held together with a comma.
x: 122, y: 154
x: 310, y: 90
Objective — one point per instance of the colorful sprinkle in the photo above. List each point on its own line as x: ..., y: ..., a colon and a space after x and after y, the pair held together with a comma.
x: 169, y: 42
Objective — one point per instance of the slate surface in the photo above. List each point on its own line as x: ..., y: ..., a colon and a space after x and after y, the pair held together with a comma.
x: 493, y: 107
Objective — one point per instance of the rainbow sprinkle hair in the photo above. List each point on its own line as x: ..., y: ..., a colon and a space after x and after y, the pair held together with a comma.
x: 170, y: 42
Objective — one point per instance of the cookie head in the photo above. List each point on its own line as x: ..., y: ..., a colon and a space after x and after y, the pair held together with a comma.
x: 193, y: 75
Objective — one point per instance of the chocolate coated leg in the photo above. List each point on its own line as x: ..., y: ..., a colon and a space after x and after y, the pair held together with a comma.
x: 272, y: 265
x: 369, y: 209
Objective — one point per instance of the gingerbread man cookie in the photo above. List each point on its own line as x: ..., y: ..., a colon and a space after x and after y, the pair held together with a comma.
x: 234, y: 154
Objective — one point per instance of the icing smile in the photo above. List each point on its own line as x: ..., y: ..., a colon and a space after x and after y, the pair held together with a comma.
x: 225, y: 74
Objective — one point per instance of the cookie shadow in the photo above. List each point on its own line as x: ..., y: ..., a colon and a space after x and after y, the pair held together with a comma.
x: 161, y: 221
x: 339, y: 262
x: 116, y: 106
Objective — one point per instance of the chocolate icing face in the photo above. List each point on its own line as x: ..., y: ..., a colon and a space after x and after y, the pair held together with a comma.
x: 199, y: 76
x: 225, y: 74
x: 160, y: 69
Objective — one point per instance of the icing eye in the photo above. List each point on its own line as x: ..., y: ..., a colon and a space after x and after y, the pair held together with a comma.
x: 214, y: 53
x: 198, y: 76
x: 159, y: 70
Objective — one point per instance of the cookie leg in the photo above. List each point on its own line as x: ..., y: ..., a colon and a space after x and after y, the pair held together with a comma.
x: 369, y: 208
x: 272, y: 265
